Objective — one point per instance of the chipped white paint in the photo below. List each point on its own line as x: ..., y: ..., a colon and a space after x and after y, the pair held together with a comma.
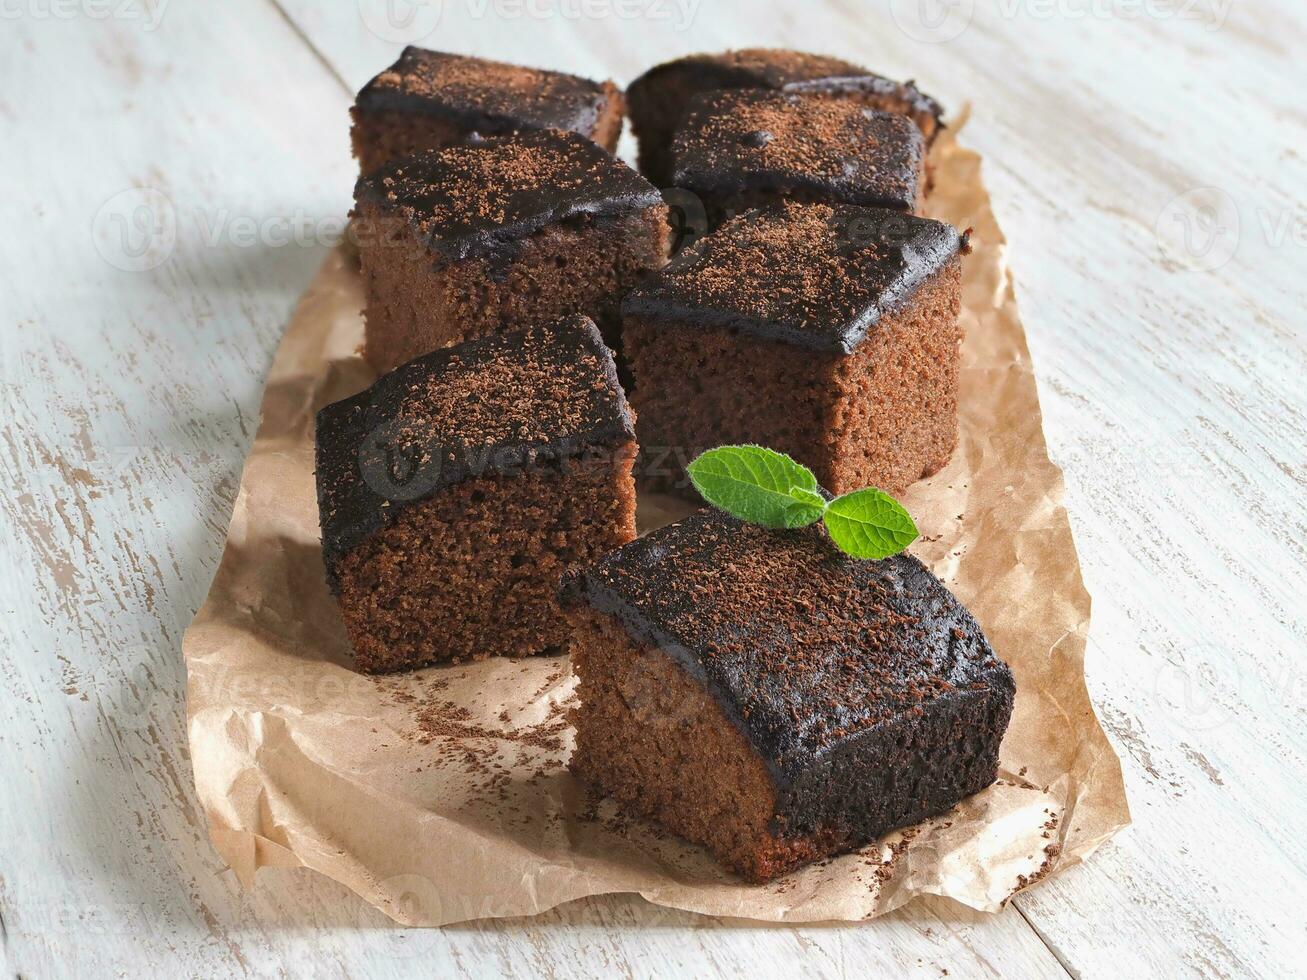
x: 170, y: 170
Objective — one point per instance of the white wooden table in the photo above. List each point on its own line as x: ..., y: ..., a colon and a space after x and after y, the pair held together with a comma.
x: 173, y: 172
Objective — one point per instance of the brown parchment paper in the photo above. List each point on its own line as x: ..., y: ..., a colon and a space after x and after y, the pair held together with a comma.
x: 441, y: 796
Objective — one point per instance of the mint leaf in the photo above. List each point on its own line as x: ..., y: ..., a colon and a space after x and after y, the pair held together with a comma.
x: 869, y: 524
x: 758, y: 485
x: 804, y: 495
x: 765, y: 487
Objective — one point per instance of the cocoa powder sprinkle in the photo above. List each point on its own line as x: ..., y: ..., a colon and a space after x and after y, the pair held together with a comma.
x: 474, y: 88
x: 752, y: 139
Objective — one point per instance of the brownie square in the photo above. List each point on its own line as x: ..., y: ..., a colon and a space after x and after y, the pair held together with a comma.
x: 744, y: 148
x: 657, y: 99
x: 762, y: 694
x: 826, y: 332
x: 455, y: 492
x: 497, y: 235
x: 429, y: 99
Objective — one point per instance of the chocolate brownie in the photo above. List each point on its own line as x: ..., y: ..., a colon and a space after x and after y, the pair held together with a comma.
x: 741, y: 149
x: 657, y: 99
x: 455, y: 492
x: 429, y: 99
x: 498, y: 235
x: 762, y: 694
x: 826, y: 332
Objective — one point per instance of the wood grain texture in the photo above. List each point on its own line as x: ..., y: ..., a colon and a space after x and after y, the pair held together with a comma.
x: 1169, y: 371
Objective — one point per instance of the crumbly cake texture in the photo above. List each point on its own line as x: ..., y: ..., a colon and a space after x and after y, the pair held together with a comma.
x: 499, y: 234
x: 455, y: 492
x: 827, y: 332
x: 762, y: 694
x: 658, y: 98
x: 429, y: 99
x: 739, y: 149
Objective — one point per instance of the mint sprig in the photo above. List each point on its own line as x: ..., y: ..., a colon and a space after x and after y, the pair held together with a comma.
x: 758, y: 486
x: 764, y: 487
x: 869, y: 524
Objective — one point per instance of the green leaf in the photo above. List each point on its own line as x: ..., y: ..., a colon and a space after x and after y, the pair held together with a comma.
x: 758, y: 485
x: 869, y: 524
x: 806, y: 496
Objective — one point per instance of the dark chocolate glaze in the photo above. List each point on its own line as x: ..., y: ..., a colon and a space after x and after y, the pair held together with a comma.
x: 488, y: 406
x: 657, y: 98
x: 811, y: 275
x: 477, y: 197
x: 751, y: 140
x: 490, y: 97
x: 827, y: 665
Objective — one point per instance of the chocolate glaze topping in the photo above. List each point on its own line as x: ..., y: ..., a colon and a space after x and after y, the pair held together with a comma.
x: 476, y: 197
x: 749, y: 139
x: 813, y: 275
x: 782, y: 71
x: 805, y: 649
x: 492, y: 405
x: 488, y: 96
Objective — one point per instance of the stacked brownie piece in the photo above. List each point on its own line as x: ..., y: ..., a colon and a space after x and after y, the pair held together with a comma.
x: 659, y: 98
x: 497, y: 234
x: 456, y: 491
x: 764, y: 696
x: 430, y: 99
x: 752, y: 690
x: 826, y: 332
x: 740, y: 149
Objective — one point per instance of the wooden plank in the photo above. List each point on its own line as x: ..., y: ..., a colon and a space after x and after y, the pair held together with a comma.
x: 1167, y: 358
x: 129, y: 401
x: 170, y: 157
x: 1170, y: 404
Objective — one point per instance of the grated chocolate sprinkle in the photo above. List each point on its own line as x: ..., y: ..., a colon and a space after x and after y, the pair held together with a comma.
x: 478, y: 91
x: 753, y: 139
x: 803, y: 646
x: 468, y: 198
x: 815, y: 275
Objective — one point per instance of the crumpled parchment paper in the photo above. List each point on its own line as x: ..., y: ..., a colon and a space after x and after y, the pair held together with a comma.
x: 442, y: 796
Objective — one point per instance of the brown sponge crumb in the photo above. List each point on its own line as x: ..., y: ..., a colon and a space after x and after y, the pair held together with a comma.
x: 884, y: 416
x: 678, y: 761
x: 456, y: 491
x: 762, y: 694
x: 474, y: 572
x: 498, y: 235
x: 828, y: 333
